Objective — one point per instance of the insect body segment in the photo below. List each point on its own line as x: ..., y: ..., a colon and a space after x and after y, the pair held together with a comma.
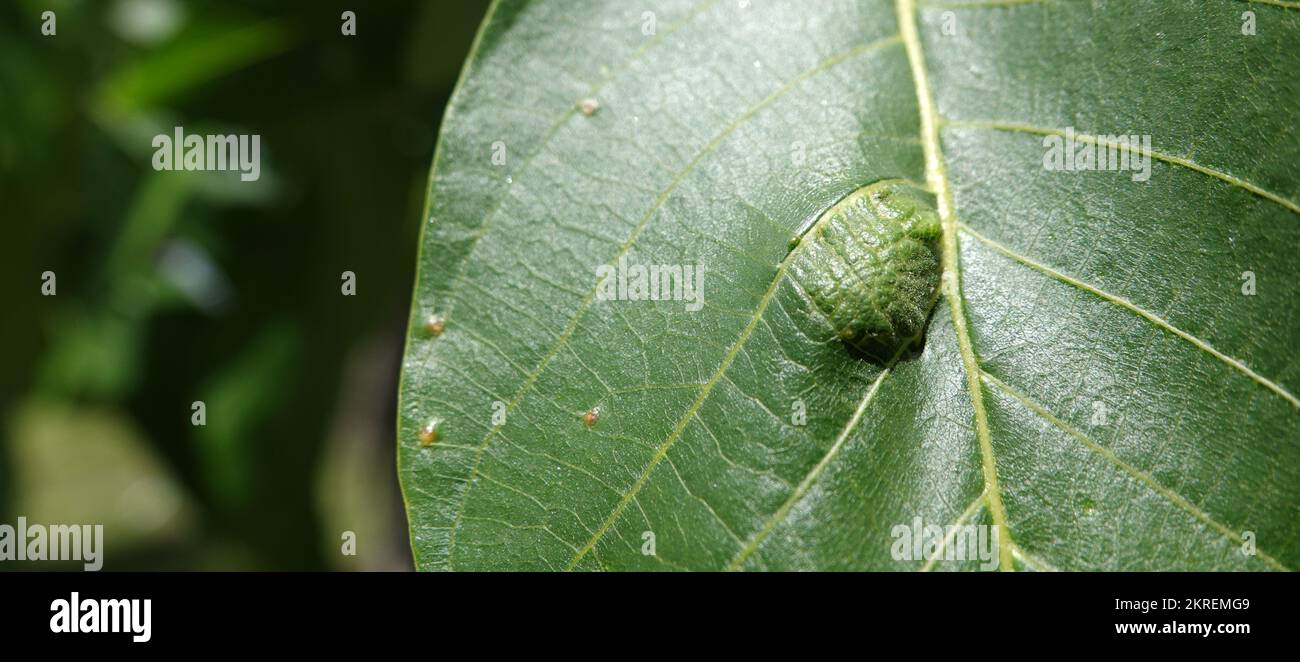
x: 430, y: 432
x: 871, y: 265
x: 591, y: 416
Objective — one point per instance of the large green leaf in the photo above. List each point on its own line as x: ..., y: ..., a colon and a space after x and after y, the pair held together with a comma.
x: 1093, y: 378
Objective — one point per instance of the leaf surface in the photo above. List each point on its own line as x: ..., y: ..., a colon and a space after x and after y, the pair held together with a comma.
x: 1093, y: 378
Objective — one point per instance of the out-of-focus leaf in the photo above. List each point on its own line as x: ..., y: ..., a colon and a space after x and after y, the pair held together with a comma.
x: 192, y: 59
x: 89, y: 465
x: 352, y: 492
x: 236, y: 402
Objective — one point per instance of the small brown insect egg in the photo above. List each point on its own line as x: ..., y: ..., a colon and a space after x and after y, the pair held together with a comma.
x: 435, y: 325
x: 588, y: 107
x: 429, y: 433
x: 589, y: 419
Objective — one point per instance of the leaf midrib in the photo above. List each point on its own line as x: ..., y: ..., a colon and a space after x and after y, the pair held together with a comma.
x: 937, y: 177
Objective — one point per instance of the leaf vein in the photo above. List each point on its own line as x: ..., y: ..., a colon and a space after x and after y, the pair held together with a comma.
x: 1137, y: 310
x: 966, y: 515
x: 645, y: 220
x: 1141, y: 476
x: 808, y: 480
x: 1016, y: 127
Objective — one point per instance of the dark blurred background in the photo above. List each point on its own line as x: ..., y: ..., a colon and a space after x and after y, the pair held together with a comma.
x: 174, y: 287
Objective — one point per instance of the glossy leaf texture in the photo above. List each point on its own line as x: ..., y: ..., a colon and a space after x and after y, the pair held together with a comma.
x: 1110, y: 372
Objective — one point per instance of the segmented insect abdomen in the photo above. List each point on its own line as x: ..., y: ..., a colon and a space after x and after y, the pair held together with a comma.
x: 871, y: 265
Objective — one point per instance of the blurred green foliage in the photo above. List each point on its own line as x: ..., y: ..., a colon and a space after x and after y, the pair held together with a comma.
x: 174, y: 287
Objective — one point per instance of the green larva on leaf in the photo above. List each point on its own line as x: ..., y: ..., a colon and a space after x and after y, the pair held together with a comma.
x: 871, y: 265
